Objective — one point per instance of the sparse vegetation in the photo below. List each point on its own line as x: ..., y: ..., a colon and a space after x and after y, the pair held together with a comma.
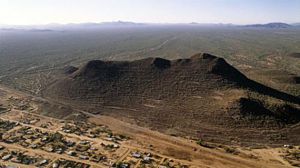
x: 203, y: 96
x: 38, y: 57
x: 205, y: 144
x: 293, y: 156
x: 231, y: 150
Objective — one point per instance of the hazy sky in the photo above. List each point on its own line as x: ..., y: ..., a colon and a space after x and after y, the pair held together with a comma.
x: 20, y: 12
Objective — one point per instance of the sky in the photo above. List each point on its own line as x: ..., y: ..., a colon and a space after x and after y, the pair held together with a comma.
x: 36, y: 12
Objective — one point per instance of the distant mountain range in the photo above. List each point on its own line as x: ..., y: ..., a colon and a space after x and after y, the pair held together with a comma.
x: 75, y: 26
x: 296, y: 24
x: 270, y: 25
x: 118, y: 24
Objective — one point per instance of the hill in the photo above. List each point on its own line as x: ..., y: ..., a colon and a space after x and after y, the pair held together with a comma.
x: 179, y: 96
x: 41, y: 54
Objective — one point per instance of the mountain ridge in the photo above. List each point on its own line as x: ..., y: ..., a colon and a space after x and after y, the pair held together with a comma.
x: 273, y: 25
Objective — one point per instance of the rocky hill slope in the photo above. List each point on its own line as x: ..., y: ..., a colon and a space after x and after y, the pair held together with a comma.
x: 184, y: 96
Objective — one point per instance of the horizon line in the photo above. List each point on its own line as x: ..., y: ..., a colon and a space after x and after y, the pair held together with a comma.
x: 157, y: 23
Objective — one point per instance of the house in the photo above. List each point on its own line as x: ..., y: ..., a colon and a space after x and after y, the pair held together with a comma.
x: 55, y: 165
x: 6, y: 157
x: 146, y: 159
x: 43, y: 162
x: 71, y: 153
x: 83, y: 157
x: 136, y: 155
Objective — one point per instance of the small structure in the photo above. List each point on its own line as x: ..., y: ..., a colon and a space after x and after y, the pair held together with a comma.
x: 16, y: 160
x: 83, y: 157
x: 288, y: 146
x: 146, y: 159
x: 59, y: 151
x: 43, y: 162
x: 136, y: 155
x: 71, y: 153
x: 6, y: 157
x: 55, y: 165
x: 33, y: 146
x: 84, y: 142
x: 49, y: 149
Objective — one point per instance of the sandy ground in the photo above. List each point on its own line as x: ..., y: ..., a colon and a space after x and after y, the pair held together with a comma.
x: 188, y: 151
x: 178, y: 149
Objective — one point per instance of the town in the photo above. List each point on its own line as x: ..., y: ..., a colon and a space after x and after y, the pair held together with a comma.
x: 31, y: 140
